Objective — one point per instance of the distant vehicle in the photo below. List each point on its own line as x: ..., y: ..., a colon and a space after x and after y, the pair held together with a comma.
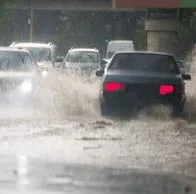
x: 119, y: 45
x: 134, y: 80
x: 84, y: 60
x: 43, y: 53
x: 19, y: 73
x: 104, y: 62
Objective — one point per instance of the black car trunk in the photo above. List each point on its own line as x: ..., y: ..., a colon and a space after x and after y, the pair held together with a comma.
x: 143, y: 91
x: 143, y: 87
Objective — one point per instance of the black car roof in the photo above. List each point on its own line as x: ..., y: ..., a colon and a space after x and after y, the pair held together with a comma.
x: 144, y: 52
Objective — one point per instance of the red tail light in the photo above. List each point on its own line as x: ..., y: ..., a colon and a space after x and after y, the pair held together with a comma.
x: 166, y: 89
x: 113, y: 86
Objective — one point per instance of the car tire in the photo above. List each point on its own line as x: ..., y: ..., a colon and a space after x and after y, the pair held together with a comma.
x: 178, y: 110
x: 109, y: 109
x: 105, y: 109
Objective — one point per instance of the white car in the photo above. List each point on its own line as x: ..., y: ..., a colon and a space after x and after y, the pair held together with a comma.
x: 43, y: 53
x: 82, y: 59
x: 119, y: 45
x: 83, y: 62
x: 19, y: 74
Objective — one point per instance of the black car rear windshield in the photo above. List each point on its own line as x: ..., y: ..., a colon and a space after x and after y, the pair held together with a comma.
x: 144, y: 62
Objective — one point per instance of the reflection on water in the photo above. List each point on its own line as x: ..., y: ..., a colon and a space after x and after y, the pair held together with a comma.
x: 33, y: 174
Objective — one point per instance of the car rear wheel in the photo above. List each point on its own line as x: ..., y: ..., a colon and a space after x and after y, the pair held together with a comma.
x: 105, y: 109
x: 178, y: 110
x: 119, y: 111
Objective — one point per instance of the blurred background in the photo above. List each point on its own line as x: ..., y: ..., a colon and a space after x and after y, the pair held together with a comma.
x: 68, y: 27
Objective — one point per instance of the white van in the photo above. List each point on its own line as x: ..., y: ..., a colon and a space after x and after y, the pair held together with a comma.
x: 119, y: 45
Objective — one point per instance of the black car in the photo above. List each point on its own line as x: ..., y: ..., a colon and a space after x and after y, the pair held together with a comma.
x: 133, y: 80
x: 19, y: 74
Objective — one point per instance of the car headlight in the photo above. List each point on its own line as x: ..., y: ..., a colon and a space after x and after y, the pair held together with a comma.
x: 26, y: 86
x: 44, y: 74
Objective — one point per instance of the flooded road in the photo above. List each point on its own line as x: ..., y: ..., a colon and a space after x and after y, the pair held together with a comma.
x: 65, y: 126
x: 24, y: 175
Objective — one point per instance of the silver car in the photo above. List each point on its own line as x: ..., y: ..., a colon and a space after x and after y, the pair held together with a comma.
x: 83, y: 60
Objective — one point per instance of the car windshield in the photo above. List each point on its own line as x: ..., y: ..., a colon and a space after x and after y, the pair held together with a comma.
x: 83, y: 57
x: 40, y: 53
x: 144, y: 63
x: 15, y: 61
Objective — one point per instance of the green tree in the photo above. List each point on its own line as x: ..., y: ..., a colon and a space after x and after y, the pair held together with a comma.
x: 5, y: 5
x: 5, y: 23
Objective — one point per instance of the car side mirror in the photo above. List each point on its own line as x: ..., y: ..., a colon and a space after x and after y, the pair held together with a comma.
x: 99, y: 73
x: 186, y: 76
x: 103, y: 63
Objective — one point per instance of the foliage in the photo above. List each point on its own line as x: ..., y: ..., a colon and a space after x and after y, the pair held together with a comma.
x: 94, y: 29
x: 5, y: 5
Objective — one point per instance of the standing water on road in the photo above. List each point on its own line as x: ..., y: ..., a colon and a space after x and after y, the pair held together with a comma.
x: 64, y: 124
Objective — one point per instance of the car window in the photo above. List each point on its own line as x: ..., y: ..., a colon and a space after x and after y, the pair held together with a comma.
x: 83, y: 57
x: 15, y: 61
x: 144, y: 62
x: 40, y: 54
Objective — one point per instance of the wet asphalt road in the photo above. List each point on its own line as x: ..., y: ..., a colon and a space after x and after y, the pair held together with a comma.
x: 99, y: 156
x: 71, y: 148
x: 26, y: 175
